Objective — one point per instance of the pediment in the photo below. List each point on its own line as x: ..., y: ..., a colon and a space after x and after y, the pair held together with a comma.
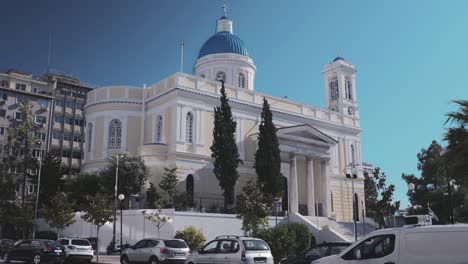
x: 305, y: 134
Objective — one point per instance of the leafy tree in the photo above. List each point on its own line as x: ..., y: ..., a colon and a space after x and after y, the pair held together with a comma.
x: 133, y: 173
x: 252, y: 208
x: 194, y: 238
x: 158, y: 219
x: 99, y: 212
x: 224, y: 149
x: 383, y: 205
x: 51, y: 179
x: 59, y: 214
x: 21, y: 140
x: 152, y: 197
x: 267, y: 158
x: 371, y: 194
x: 169, y: 183
x: 83, y: 185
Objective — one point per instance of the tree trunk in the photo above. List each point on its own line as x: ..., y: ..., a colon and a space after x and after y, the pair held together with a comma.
x: 97, y: 244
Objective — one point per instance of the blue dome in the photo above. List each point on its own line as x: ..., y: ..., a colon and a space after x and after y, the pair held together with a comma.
x: 338, y: 58
x: 223, y: 42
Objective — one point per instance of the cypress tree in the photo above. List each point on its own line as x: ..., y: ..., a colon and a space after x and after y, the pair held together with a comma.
x: 224, y: 149
x: 267, y: 158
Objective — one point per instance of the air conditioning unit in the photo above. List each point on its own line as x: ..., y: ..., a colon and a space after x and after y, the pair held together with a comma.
x: 2, y: 102
x: 43, y: 107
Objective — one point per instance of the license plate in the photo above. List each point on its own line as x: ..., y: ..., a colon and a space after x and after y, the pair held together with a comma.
x: 82, y: 250
x: 58, y: 250
x: 179, y: 254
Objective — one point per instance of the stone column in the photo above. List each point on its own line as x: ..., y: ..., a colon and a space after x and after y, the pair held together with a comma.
x: 293, y: 197
x: 310, y: 187
x: 326, y: 206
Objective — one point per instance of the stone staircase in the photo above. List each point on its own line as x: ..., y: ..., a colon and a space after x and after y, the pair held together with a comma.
x: 327, y: 230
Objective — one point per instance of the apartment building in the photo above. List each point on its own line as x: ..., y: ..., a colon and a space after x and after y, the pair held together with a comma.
x: 66, y: 137
x: 17, y: 87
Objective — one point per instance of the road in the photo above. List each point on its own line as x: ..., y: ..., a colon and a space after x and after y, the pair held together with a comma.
x: 102, y: 259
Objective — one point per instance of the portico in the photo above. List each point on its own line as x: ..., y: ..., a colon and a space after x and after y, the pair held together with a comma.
x: 305, y: 164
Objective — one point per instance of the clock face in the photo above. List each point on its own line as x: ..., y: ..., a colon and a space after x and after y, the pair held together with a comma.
x: 350, y: 110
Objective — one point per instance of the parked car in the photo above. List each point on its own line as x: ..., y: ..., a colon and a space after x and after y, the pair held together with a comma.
x: 233, y: 249
x: 4, y: 245
x: 36, y: 251
x: 415, y: 245
x: 317, y: 252
x: 77, y: 249
x: 93, y: 242
x: 155, y: 250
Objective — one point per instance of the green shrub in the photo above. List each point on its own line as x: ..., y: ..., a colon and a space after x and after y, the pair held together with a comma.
x: 50, y: 235
x: 285, y: 240
x: 194, y: 238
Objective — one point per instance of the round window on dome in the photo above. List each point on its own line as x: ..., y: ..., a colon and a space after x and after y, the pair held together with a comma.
x: 221, y: 76
x: 202, y: 75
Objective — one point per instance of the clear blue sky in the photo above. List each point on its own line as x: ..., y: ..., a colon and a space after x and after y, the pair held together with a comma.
x: 411, y: 56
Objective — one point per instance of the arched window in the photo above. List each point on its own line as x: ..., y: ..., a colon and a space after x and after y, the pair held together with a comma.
x: 159, y: 128
x: 202, y: 75
x: 334, y: 92
x: 285, y: 198
x: 331, y: 201
x: 356, y: 207
x: 221, y: 76
x: 348, y: 89
x: 353, y: 155
x: 189, y: 188
x: 189, y: 128
x: 90, y: 136
x: 115, y: 134
x: 241, y: 80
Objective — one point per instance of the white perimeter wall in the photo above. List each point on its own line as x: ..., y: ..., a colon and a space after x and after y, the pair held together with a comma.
x: 136, y: 227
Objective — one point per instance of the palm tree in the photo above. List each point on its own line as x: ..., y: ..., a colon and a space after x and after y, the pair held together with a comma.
x: 457, y: 143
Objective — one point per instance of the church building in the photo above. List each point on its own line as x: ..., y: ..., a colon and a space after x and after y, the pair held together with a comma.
x: 170, y: 123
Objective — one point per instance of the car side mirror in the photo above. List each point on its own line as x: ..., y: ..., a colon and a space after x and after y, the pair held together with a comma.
x: 200, y: 251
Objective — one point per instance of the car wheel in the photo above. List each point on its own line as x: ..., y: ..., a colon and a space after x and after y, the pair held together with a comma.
x: 124, y: 260
x: 6, y: 257
x: 36, y: 259
x: 154, y: 260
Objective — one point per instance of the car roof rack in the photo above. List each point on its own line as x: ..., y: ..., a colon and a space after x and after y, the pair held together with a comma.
x: 229, y: 236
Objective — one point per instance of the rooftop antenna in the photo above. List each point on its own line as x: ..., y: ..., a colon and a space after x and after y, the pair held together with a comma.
x: 182, y: 56
x: 50, y: 48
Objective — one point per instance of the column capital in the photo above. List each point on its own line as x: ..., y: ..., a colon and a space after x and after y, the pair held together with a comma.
x: 292, y: 156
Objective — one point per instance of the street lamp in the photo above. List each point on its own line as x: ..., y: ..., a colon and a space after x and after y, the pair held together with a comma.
x: 115, y: 197
x: 39, y: 143
x: 411, y: 188
x: 121, y: 198
x: 352, y: 177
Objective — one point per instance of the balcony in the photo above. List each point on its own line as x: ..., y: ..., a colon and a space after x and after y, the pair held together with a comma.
x: 69, y: 111
x: 57, y: 126
x: 58, y: 109
x: 67, y: 127
x: 77, y: 129
x: 55, y: 142
x: 65, y: 160
x: 78, y: 113
x: 76, y: 145
x: 75, y: 162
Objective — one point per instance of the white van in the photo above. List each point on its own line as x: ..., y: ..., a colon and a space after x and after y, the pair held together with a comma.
x: 407, y: 245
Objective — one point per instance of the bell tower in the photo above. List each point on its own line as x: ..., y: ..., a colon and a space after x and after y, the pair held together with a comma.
x: 340, y: 87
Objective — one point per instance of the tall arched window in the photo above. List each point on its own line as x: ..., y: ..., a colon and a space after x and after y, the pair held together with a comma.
x: 159, y: 128
x: 334, y: 92
x: 221, y: 76
x: 90, y: 136
x: 189, y: 188
x: 348, y: 87
x: 115, y: 134
x: 189, y: 128
x: 353, y: 155
x: 241, y: 80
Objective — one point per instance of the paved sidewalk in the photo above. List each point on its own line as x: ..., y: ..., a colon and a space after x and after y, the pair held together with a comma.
x: 114, y: 259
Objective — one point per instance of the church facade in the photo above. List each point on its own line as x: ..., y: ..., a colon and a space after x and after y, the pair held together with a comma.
x: 169, y: 124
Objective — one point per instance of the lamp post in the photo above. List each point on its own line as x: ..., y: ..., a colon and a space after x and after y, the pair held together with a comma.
x: 352, y: 177
x: 39, y: 143
x: 121, y: 198
x: 411, y: 188
x: 115, y: 197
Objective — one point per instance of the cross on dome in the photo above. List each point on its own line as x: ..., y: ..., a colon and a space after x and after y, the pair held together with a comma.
x: 225, y: 6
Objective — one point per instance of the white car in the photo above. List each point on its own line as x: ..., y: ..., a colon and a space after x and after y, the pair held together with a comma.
x: 233, y: 250
x: 77, y: 249
x: 407, y: 245
x: 155, y: 250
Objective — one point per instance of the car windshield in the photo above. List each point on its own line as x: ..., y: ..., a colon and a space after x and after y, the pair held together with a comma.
x: 175, y: 244
x: 80, y: 242
x: 255, y: 245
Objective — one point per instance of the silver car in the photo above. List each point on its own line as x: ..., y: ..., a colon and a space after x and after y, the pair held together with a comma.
x: 233, y: 249
x: 155, y: 251
x: 77, y: 249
